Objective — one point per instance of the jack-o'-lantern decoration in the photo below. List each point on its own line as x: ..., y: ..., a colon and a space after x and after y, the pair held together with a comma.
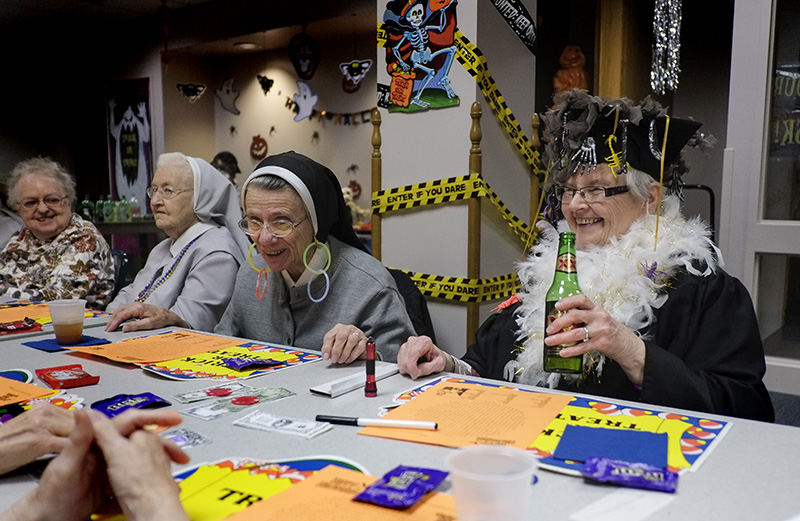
x: 571, y: 74
x: 258, y: 148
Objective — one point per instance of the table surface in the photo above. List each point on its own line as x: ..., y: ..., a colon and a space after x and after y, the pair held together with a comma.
x: 753, y: 474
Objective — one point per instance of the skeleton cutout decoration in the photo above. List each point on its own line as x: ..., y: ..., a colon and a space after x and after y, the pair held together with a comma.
x: 227, y: 96
x: 191, y: 91
x: 420, y: 50
x: 266, y: 83
x: 354, y: 72
x: 304, y: 55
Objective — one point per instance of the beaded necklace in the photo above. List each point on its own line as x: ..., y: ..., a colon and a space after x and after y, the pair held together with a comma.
x: 153, y: 285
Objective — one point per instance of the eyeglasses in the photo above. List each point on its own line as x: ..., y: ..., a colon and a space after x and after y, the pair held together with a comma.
x: 50, y: 201
x: 590, y: 194
x: 166, y: 192
x: 277, y: 227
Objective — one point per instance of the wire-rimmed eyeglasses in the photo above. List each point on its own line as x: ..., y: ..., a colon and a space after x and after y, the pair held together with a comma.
x: 51, y: 201
x: 167, y: 192
x: 280, y: 227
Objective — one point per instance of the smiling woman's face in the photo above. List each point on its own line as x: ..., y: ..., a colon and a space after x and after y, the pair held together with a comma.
x: 595, y: 223
x: 45, y: 221
x: 280, y: 253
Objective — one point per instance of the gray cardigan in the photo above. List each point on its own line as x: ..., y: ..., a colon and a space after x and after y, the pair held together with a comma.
x: 362, y: 293
x: 201, y: 285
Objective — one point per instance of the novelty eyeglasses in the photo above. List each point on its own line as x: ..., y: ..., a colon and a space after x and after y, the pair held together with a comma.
x: 279, y: 227
x: 590, y: 194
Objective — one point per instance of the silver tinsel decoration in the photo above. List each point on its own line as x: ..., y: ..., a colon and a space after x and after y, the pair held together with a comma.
x: 667, y: 46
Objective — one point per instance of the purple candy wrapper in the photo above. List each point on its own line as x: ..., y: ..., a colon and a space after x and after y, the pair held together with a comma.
x: 239, y: 363
x: 117, y: 404
x: 627, y: 474
x: 402, y: 487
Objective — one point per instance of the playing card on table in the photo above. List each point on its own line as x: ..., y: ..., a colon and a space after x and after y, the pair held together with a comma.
x: 185, y: 438
x: 224, y: 406
x: 204, y: 394
x: 295, y: 426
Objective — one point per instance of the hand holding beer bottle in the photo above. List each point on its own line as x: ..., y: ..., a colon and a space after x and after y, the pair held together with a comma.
x: 565, y: 284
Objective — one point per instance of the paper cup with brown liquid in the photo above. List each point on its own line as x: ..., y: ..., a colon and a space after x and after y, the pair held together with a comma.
x: 67, y: 318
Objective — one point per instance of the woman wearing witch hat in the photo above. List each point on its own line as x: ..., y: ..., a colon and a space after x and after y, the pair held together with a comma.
x: 660, y: 321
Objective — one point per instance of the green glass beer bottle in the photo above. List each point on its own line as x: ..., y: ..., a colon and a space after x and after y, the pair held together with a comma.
x: 565, y: 284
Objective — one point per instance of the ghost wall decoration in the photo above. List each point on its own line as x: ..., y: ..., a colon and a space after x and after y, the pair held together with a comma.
x: 227, y: 96
x: 305, y: 100
x: 304, y: 55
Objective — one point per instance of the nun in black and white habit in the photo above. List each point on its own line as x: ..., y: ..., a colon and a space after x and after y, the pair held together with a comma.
x: 308, y: 281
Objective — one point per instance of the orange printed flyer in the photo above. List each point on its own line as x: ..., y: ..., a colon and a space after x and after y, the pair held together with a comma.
x: 12, y: 391
x: 328, y: 495
x: 157, y: 348
x: 473, y: 414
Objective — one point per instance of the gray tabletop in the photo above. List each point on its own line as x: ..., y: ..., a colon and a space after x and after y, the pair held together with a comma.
x: 751, y: 475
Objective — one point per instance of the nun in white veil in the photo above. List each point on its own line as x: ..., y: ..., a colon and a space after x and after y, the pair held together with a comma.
x: 188, y: 278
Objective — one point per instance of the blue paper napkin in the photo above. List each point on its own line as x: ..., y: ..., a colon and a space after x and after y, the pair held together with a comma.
x: 51, y: 345
x: 579, y: 443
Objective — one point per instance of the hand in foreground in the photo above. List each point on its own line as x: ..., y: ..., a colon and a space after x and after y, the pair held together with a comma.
x: 68, y: 489
x: 343, y: 344
x: 138, y: 464
x: 41, y: 430
x: 148, y: 317
x: 606, y: 335
x: 418, y: 356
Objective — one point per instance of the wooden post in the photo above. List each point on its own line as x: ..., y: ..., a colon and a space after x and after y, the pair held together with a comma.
x: 474, y: 220
x: 537, y: 144
x: 376, y: 180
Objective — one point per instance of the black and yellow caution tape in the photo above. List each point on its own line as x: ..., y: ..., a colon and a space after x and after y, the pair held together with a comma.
x: 444, y: 191
x: 462, y: 289
x: 472, y: 59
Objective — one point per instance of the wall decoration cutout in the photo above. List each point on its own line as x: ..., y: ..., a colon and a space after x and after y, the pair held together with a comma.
x: 191, y: 91
x: 352, y: 169
x: 354, y: 71
x: 130, y: 160
x: 419, y: 52
x: 338, y: 118
x: 354, y: 185
x: 315, y: 138
x: 305, y: 101
x: 272, y: 130
x: 304, y: 55
x: 227, y: 96
x: 266, y: 83
x: 233, y: 130
x: 258, y: 148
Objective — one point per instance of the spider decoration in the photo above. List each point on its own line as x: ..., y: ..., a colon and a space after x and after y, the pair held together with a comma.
x: 352, y: 169
x: 272, y: 130
x: 266, y: 83
x: 315, y: 137
x: 233, y: 130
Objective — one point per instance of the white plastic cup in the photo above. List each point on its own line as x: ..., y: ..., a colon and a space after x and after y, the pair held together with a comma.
x: 67, y: 318
x: 491, y: 482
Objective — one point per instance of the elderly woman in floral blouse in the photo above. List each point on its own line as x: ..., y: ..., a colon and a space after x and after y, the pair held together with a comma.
x: 56, y: 254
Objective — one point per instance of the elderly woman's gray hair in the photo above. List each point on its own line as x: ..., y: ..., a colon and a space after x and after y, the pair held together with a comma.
x: 179, y: 163
x: 42, y: 166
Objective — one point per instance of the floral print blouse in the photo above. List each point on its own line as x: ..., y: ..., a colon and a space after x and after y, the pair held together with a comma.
x: 76, y: 263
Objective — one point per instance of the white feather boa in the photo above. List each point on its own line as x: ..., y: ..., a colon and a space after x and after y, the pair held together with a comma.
x: 614, y: 277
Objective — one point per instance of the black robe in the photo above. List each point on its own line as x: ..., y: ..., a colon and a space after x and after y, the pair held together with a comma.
x: 704, y: 352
